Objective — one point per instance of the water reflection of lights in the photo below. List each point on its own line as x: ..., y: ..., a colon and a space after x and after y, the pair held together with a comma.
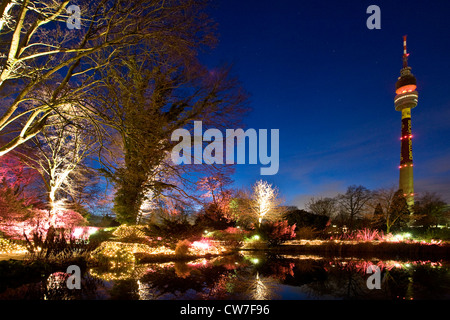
x: 302, y: 257
x: 259, y: 289
x: 253, y: 282
x: 114, y: 274
x: 56, y: 282
x: 202, y: 262
x: 363, y: 265
x: 154, y: 267
x: 144, y: 291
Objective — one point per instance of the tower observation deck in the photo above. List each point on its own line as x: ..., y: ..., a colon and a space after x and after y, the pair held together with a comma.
x: 406, y: 99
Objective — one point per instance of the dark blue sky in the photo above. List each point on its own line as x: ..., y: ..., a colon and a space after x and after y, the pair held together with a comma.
x: 320, y: 76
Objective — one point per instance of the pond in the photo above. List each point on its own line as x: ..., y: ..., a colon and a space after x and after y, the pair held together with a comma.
x: 251, y: 276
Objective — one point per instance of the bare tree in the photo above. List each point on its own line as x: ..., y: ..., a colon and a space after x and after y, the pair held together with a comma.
x: 353, y: 202
x: 390, y: 207
x: 266, y: 202
x: 59, y: 154
x: 215, y: 188
x: 384, y: 197
x: 37, y: 49
x: 323, y: 206
x: 145, y: 98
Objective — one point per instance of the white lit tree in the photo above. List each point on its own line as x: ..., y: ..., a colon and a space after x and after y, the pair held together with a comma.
x: 59, y: 152
x: 265, y: 202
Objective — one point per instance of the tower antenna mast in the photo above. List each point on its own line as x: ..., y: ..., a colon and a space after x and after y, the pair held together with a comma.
x: 405, y: 53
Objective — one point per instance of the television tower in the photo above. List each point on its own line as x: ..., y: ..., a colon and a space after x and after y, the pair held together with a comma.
x: 406, y: 99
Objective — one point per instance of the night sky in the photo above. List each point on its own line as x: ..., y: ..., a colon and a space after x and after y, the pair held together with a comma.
x: 319, y: 75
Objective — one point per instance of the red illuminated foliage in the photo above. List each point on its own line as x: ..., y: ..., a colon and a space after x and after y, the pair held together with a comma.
x: 16, y: 196
x: 214, y: 188
x: 217, y: 212
x: 15, y: 175
x: 39, y: 221
x: 277, y: 232
x: 21, y: 211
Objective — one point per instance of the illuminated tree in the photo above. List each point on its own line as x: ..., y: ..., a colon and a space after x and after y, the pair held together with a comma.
x: 145, y: 101
x: 217, y: 212
x: 265, y: 204
x: 60, y: 150
x: 21, y: 209
x: 214, y: 188
x: 38, y: 49
x: 241, y: 207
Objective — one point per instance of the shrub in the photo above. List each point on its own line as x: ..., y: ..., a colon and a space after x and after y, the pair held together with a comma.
x: 369, y: 235
x: 173, y: 228
x: 123, y: 257
x: 364, y: 235
x: 127, y: 231
x: 117, y: 253
x: 302, y: 218
x: 231, y: 237
x: 234, y: 230
x: 182, y: 248
x: 228, y: 234
x: 39, y: 221
x: 55, y: 246
x: 213, y: 217
x: 277, y: 232
x: 306, y: 233
x: 428, y: 234
x: 8, y: 246
x: 100, y: 236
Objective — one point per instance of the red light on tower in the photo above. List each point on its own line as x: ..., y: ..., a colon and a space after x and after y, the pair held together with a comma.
x: 407, y: 88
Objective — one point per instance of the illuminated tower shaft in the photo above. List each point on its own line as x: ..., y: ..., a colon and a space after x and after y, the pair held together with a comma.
x: 405, y: 100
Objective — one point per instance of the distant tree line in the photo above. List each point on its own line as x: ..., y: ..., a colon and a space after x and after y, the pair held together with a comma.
x: 385, y: 209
